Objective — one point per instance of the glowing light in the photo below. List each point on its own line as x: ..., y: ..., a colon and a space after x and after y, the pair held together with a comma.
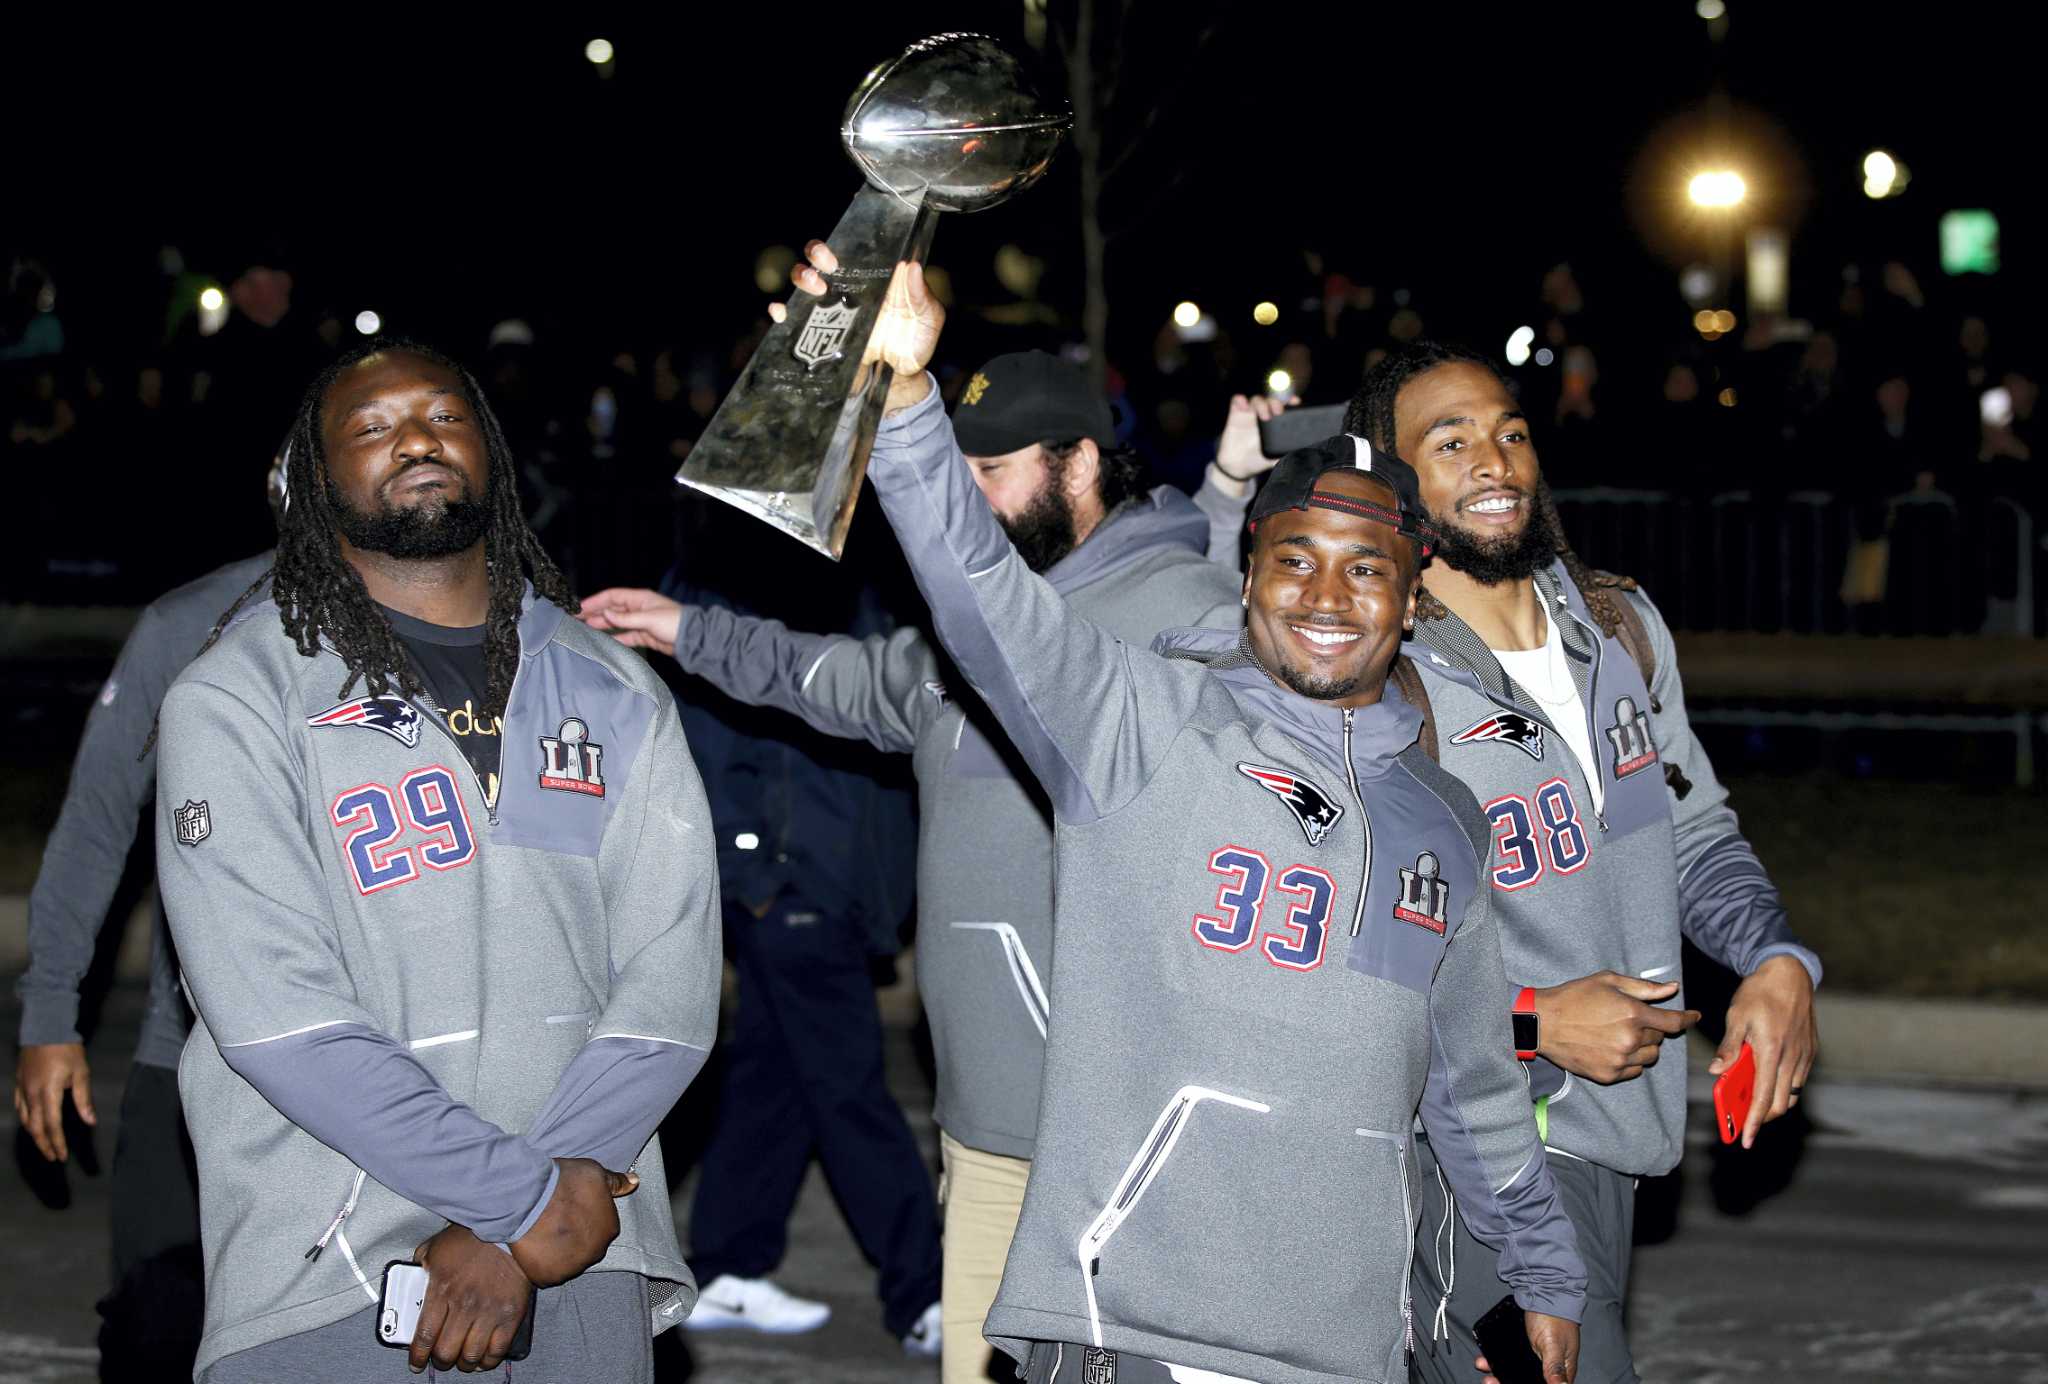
x: 1186, y: 315
x: 1279, y: 382
x: 1703, y: 320
x: 368, y: 323
x: 1519, y: 342
x: 1710, y: 10
x: 1724, y: 321
x: 1726, y: 398
x: 599, y: 51
x: 1266, y: 314
x: 1717, y: 189
x: 1545, y: 356
x: 1696, y: 284
x: 747, y: 841
x: 212, y: 299
x: 1884, y: 175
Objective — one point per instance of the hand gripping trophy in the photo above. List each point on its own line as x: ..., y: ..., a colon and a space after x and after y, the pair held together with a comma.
x: 950, y: 125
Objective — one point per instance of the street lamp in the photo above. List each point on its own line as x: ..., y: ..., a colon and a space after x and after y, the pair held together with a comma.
x: 1717, y: 189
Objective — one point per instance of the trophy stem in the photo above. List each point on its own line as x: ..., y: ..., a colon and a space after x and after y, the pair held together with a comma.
x: 790, y: 443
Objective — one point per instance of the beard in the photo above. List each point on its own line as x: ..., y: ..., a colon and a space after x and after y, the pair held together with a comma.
x: 1507, y: 558
x: 1318, y: 689
x: 432, y: 528
x: 1043, y: 531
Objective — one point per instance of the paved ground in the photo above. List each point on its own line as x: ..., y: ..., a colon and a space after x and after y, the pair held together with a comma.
x: 1903, y: 1236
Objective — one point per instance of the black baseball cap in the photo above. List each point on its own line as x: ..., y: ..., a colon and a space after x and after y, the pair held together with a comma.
x: 1026, y: 397
x: 1292, y: 485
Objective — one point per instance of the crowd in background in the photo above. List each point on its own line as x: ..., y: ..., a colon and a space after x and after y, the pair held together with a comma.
x: 125, y: 454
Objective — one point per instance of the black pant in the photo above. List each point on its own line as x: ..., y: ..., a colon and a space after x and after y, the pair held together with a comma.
x: 804, y: 1074
x: 151, y: 1321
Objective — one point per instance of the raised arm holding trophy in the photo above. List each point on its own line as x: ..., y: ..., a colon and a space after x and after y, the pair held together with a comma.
x: 950, y: 125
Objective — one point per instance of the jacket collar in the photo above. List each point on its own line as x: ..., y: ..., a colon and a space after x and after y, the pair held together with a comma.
x: 1450, y: 647
x: 1379, y: 733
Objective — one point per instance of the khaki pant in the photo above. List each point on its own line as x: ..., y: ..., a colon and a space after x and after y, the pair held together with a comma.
x: 983, y: 1194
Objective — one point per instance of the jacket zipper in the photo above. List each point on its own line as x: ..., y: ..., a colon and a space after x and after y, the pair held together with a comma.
x: 1365, y: 818
x: 1592, y: 722
x: 439, y: 718
x: 1407, y: 1229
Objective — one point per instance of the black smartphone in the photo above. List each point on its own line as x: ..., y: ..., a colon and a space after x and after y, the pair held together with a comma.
x: 1296, y: 428
x: 1504, y: 1340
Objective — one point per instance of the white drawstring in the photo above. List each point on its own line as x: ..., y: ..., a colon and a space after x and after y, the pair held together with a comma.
x: 355, y: 1190
x: 1442, y: 1324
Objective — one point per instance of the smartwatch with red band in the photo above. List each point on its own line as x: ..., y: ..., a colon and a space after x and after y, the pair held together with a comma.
x: 1525, y: 1024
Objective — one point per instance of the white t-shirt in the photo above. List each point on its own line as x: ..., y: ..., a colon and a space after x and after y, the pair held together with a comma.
x: 1546, y: 675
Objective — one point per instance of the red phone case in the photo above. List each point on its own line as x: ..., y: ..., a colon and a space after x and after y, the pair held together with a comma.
x: 1733, y: 1090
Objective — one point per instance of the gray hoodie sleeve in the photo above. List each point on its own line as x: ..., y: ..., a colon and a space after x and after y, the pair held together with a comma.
x: 1728, y: 906
x: 249, y: 910
x: 1093, y: 717
x: 1476, y: 1111
x: 863, y: 689
x: 111, y: 780
x: 1226, y: 520
x: 659, y: 873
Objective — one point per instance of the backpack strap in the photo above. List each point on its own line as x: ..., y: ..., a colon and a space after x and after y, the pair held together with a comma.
x: 1405, y: 676
x: 1634, y: 636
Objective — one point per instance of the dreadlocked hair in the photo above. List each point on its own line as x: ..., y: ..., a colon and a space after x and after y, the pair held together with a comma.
x: 1371, y: 416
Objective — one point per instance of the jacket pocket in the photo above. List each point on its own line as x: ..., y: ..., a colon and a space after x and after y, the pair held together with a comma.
x: 1030, y: 989
x: 1256, y: 1231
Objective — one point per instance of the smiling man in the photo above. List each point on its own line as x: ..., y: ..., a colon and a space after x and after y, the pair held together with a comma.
x: 1555, y: 695
x: 1040, y: 445
x: 444, y: 982
x: 1271, y: 946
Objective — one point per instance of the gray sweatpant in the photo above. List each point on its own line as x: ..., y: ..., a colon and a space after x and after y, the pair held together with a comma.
x: 590, y: 1329
x: 1602, y: 1208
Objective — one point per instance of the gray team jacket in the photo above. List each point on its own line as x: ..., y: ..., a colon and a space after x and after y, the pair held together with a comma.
x: 1579, y: 891
x: 408, y: 1003
x: 984, y: 876
x: 1272, y: 949
x: 112, y: 780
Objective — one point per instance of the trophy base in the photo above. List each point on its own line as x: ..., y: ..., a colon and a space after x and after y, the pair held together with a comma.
x: 790, y: 443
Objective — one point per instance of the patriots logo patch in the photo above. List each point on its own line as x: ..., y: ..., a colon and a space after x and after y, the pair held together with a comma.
x: 1511, y: 727
x: 394, y: 716
x: 1311, y: 806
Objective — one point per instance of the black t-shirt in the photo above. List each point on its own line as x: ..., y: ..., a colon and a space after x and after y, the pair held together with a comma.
x: 451, y: 663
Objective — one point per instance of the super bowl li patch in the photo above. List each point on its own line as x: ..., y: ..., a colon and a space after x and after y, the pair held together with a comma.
x: 1629, y: 736
x: 1425, y: 899
x: 194, y: 822
x: 571, y: 762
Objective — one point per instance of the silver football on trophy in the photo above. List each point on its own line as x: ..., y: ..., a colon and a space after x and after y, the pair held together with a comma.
x: 953, y: 117
x: 951, y: 125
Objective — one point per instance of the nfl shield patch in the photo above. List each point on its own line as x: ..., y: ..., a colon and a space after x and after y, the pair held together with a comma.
x: 194, y: 822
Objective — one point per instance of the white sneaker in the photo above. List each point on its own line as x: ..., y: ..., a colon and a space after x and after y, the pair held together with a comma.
x: 757, y: 1304
x: 923, y: 1338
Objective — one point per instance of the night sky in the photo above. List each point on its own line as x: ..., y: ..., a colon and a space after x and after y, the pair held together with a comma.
x: 452, y: 172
